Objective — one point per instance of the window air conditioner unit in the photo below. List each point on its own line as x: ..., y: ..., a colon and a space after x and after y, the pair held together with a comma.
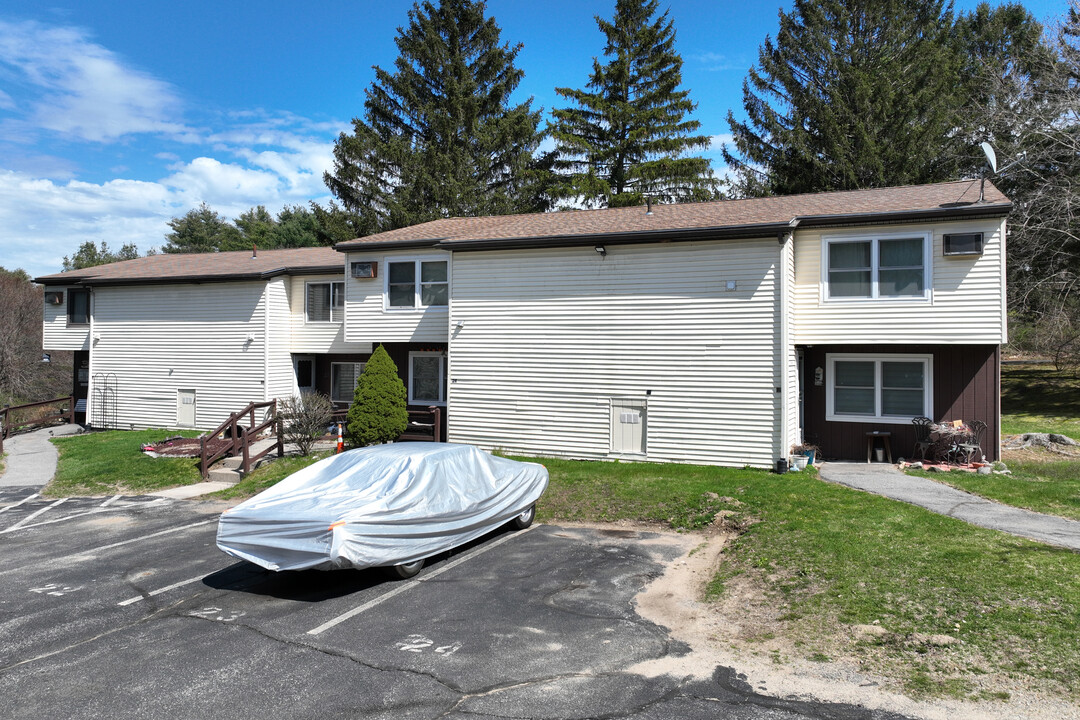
x: 365, y: 269
x: 54, y: 297
x: 963, y: 244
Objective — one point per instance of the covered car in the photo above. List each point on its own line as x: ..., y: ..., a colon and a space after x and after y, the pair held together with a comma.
x: 383, y: 506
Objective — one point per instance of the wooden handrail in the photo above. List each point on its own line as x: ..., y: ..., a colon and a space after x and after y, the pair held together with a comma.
x: 241, y: 438
x: 5, y: 414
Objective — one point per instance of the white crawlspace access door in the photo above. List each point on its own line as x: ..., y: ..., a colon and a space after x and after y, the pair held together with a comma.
x: 628, y: 426
x: 185, y: 408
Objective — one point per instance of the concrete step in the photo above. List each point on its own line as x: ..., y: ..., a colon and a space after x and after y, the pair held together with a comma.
x: 230, y: 463
x: 223, y: 475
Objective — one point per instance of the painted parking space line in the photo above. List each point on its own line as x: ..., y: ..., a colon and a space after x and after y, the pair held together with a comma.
x: 31, y: 516
x: 111, y: 500
x: 91, y: 553
x: 72, y: 516
x: 159, y: 591
x: 25, y: 499
x: 408, y: 585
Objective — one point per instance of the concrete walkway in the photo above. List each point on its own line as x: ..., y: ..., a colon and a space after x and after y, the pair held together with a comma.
x: 31, y: 458
x: 886, y: 480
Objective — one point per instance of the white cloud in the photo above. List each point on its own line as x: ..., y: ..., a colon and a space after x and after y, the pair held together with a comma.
x: 716, y: 62
x: 81, y: 89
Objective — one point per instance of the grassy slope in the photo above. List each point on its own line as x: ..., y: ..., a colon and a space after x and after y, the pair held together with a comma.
x: 828, y: 553
x: 1034, y: 398
x: 1037, y: 398
x: 100, y: 463
x: 268, y: 475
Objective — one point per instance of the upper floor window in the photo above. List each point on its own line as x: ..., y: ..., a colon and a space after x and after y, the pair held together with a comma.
x: 78, y: 307
x: 417, y: 283
x: 877, y: 267
x: 325, y: 302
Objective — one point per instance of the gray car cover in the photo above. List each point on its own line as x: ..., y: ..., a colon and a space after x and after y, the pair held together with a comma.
x: 382, y: 505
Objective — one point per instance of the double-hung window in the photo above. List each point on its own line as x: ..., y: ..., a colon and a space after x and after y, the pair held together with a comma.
x: 884, y: 267
x: 417, y: 283
x: 78, y: 307
x: 879, y: 388
x: 343, y: 378
x: 325, y: 302
x: 427, y: 378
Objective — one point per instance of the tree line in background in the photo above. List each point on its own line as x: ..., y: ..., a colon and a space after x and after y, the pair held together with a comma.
x: 24, y: 376
x: 885, y: 92
x: 850, y: 94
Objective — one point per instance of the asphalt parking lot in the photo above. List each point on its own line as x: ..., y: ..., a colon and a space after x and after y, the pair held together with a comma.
x: 124, y: 607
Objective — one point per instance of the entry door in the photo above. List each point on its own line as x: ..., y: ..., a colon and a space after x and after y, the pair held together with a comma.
x: 185, y: 408
x: 628, y: 426
x: 304, y: 366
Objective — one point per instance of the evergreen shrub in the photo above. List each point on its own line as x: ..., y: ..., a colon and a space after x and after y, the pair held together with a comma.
x: 378, y: 413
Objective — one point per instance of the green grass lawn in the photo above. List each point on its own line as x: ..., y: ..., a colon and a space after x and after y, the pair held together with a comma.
x: 268, y: 475
x: 100, y: 463
x: 1046, y: 487
x: 1039, y: 399
x: 1036, y: 399
x: 829, y: 554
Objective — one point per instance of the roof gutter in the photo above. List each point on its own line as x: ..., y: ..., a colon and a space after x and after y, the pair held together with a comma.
x: 193, y: 279
x: 354, y: 246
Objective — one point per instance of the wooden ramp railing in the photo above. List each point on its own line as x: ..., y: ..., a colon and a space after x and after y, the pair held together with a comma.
x: 423, y: 424
x: 11, y: 417
x: 242, y: 438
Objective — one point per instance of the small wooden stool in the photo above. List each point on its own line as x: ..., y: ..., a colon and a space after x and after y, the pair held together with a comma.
x: 870, y: 436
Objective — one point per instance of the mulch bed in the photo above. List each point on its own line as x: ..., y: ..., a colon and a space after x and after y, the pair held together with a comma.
x: 185, y: 447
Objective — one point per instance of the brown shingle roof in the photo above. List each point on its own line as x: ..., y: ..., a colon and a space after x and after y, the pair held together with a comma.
x: 766, y: 215
x: 205, y: 267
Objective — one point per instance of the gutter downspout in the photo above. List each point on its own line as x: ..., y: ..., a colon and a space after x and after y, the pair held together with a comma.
x: 266, y: 337
x: 783, y: 339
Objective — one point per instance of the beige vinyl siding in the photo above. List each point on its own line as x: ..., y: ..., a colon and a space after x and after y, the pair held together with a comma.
x: 56, y: 333
x: 965, y: 306
x: 314, y: 337
x: 366, y: 320
x: 160, y: 339
x: 551, y: 337
x: 281, y: 379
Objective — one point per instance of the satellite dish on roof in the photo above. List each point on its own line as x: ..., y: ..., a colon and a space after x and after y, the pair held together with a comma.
x: 991, y: 156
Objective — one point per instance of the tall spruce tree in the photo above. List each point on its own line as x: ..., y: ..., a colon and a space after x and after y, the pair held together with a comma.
x: 628, y: 136
x: 439, y: 136
x: 851, y: 94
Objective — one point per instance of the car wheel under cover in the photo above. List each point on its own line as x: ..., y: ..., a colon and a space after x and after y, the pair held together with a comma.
x: 407, y: 570
x: 525, y: 519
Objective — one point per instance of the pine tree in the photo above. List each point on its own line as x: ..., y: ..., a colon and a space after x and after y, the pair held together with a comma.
x: 852, y: 94
x: 379, y: 412
x: 439, y: 137
x: 628, y: 137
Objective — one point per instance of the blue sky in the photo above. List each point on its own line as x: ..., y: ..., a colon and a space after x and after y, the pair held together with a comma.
x: 117, y: 116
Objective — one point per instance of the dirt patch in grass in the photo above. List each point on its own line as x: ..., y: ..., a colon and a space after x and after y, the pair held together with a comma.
x: 750, y: 628
x: 186, y: 447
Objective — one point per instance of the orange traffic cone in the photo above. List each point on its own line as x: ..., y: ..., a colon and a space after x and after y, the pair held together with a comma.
x: 340, y: 441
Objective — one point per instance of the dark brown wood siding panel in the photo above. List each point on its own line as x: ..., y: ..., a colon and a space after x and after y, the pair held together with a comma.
x: 399, y: 353
x: 966, y: 387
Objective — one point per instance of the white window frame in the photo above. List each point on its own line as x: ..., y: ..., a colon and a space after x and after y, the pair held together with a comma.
x: 417, y: 285
x: 443, y: 377
x: 874, y: 239
x: 359, y: 369
x: 877, y: 417
x: 340, y: 293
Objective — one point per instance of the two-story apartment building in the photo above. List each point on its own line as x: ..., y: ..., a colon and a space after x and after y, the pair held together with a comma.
x: 717, y: 333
